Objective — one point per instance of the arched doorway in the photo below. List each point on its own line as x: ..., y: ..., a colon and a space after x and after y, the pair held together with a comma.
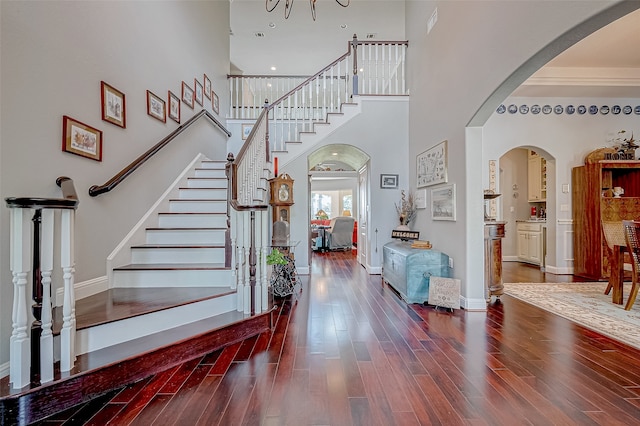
x: 336, y: 188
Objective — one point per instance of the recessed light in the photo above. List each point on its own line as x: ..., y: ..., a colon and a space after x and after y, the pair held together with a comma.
x: 272, y: 24
x: 343, y: 26
x: 334, y: 153
x: 273, y: 68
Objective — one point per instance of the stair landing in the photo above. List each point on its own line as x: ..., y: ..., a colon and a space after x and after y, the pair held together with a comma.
x: 113, y: 367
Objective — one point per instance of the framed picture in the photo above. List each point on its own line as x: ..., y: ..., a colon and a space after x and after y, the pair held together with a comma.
x: 198, y: 89
x: 80, y: 139
x: 420, y: 199
x: 443, y: 203
x: 431, y: 167
x: 187, y: 95
x: 207, y: 87
x: 113, y: 106
x: 215, y: 102
x: 174, y: 107
x: 156, y: 107
x: 388, y: 181
x: 246, y: 131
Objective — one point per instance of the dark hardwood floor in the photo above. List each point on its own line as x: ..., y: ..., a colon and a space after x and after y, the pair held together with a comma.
x: 347, y: 351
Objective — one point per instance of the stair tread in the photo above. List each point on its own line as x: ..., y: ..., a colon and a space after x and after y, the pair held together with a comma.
x: 170, y: 266
x: 175, y: 213
x: 117, y: 304
x: 191, y: 200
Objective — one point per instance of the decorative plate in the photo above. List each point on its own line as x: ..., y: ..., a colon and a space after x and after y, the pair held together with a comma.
x: 593, y: 109
x: 627, y: 110
x: 636, y: 110
x: 501, y: 109
x: 558, y: 109
x: 524, y: 109
x: 571, y: 109
x: 535, y: 109
x: 582, y: 109
x: 604, y: 110
x: 546, y: 109
x: 616, y: 109
x: 513, y: 109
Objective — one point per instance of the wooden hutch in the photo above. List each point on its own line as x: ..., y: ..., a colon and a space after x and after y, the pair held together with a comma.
x: 593, y: 202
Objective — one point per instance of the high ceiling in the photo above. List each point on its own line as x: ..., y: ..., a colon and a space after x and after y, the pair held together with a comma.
x: 605, y: 64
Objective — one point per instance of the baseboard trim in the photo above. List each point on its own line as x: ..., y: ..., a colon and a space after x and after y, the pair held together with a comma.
x: 84, y: 289
x: 568, y: 270
x: 473, y: 304
x: 4, y: 369
x: 302, y: 270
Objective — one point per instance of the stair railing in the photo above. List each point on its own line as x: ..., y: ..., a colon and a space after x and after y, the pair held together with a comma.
x: 96, y: 190
x: 283, y: 120
x: 367, y: 68
x: 249, y: 219
x: 32, y: 358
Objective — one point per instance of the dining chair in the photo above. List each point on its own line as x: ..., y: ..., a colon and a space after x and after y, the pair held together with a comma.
x: 614, y: 236
x: 631, y: 231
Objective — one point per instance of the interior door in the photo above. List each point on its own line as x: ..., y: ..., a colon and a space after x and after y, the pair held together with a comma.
x: 363, y: 215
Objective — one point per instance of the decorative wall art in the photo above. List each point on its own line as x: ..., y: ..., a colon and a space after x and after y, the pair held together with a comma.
x: 568, y: 109
x: 420, y: 199
x: 431, y: 167
x: 215, y: 102
x: 198, y: 89
x: 174, y: 107
x: 156, y: 107
x: 113, y: 105
x: 81, y: 139
x: 246, y: 131
x: 207, y: 87
x: 388, y: 181
x: 187, y: 95
x: 443, y: 203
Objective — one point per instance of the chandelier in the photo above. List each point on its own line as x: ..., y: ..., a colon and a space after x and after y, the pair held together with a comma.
x: 288, y: 5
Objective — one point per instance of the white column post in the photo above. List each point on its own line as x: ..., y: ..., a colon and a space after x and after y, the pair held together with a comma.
x: 19, y: 351
x: 46, y: 266
x: 67, y: 334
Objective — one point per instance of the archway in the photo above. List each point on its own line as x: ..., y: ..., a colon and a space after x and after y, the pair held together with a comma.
x: 335, y: 189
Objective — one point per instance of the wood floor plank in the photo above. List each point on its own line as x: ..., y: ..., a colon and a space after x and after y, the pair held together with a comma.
x: 346, y: 350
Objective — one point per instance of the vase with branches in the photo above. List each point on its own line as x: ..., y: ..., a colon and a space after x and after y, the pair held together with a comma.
x: 406, y: 209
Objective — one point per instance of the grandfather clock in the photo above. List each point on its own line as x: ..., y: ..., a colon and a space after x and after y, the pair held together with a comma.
x: 281, y: 197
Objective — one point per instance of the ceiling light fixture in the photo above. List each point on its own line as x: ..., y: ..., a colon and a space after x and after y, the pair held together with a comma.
x: 288, y: 5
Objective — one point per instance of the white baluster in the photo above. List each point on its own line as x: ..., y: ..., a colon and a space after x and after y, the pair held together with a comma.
x: 46, y: 266
x: 67, y: 334
x: 19, y: 351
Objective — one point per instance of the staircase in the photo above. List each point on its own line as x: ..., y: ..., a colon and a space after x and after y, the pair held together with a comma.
x: 176, y: 300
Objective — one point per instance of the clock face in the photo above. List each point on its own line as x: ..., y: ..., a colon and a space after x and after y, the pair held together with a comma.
x: 283, y: 192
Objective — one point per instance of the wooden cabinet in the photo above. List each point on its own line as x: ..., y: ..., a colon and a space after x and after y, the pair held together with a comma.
x: 537, y: 178
x: 529, y: 242
x: 408, y: 270
x: 593, y: 203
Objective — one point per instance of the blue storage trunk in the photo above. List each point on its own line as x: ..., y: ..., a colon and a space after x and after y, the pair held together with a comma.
x: 408, y: 269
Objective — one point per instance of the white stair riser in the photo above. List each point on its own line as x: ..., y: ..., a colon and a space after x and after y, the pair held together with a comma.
x: 191, y: 206
x: 211, y: 173
x: 202, y: 194
x: 186, y: 236
x: 192, y: 220
x: 172, y: 278
x: 110, y: 334
x: 207, y: 183
x: 153, y: 255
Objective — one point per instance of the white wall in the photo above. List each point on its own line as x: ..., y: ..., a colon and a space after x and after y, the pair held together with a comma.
x: 381, y: 131
x: 458, y: 74
x: 53, y: 56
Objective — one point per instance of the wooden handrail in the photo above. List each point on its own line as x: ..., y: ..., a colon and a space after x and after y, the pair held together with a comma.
x: 96, y: 190
x: 70, y: 200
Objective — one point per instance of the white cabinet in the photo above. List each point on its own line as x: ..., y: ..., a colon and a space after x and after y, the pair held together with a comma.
x: 529, y: 242
x: 537, y: 178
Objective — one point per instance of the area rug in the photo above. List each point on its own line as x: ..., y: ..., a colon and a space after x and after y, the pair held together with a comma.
x: 585, y: 304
